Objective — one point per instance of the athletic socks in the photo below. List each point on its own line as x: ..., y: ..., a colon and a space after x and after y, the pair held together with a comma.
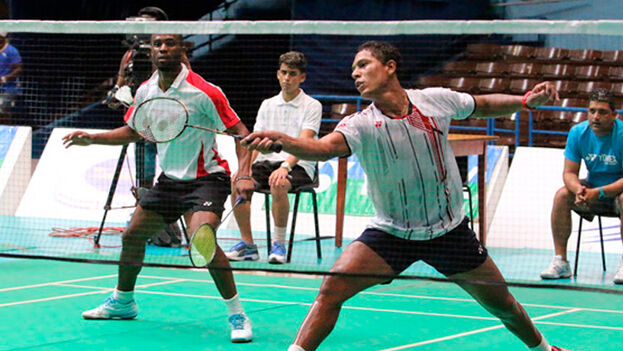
x: 233, y: 305
x: 280, y: 234
x: 295, y: 348
x: 123, y: 296
x: 543, y: 346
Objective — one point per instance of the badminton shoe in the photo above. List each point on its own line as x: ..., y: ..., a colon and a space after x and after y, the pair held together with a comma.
x: 559, y: 268
x: 243, y: 252
x: 240, y: 328
x: 277, y: 253
x: 112, y: 309
x: 556, y: 348
x: 618, y: 278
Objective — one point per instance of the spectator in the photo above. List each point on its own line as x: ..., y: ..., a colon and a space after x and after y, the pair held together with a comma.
x: 10, y: 70
x: 599, y: 142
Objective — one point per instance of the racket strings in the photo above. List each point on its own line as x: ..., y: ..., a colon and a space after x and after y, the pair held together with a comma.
x: 160, y: 119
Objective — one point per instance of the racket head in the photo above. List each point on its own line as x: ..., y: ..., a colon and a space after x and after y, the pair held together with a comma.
x: 202, y: 246
x: 160, y: 119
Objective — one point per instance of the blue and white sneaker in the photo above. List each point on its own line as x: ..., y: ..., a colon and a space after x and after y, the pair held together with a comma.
x: 277, y: 253
x: 243, y: 252
x: 112, y: 309
x: 240, y: 328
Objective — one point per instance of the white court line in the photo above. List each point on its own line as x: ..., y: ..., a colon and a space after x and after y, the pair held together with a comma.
x: 55, y: 297
x: 477, y: 331
x: 59, y: 282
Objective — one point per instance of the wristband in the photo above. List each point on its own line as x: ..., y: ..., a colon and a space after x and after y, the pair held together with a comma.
x: 524, y: 103
x: 602, y: 194
x: 242, y: 178
x: 287, y: 166
x: 3, y: 79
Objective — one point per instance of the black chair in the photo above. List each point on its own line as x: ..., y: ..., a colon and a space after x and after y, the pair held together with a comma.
x: 309, y: 188
x: 601, y: 239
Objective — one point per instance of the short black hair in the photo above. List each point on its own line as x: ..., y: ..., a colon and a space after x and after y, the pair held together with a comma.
x: 154, y: 12
x: 294, y: 59
x: 602, y: 95
x: 383, y: 51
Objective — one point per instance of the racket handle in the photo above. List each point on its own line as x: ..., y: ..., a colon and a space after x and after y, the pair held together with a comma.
x: 276, y: 147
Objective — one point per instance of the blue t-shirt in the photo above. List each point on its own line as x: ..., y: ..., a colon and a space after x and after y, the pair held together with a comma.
x: 602, y: 155
x: 9, y: 57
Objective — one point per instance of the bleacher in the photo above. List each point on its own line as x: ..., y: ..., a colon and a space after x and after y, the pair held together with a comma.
x: 486, y: 68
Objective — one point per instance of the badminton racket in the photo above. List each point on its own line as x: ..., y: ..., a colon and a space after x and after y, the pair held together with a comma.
x: 203, y: 241
x: 162, y: 119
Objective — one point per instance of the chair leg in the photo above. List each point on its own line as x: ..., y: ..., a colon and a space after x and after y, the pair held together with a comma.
x: 601, y: 240
x: 471, y: 207
x: 269, y: 240
x: 577, y: 249
x: 318, y: 244
x: 291, y: 241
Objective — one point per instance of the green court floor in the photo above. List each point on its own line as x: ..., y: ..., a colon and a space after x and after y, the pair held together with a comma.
x: 41, y: 302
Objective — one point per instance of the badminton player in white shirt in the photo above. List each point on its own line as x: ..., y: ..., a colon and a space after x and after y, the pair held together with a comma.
x: 414, y: 184
x: 298, y: 115
x: 195, y: 180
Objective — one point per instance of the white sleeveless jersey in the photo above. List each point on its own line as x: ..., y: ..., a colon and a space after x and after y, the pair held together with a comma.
x: 413, y: 180
x: 194, y: 153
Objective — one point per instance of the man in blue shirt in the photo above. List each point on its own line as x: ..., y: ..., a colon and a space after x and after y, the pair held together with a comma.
x: 599, y: 142
x: 10, y: 69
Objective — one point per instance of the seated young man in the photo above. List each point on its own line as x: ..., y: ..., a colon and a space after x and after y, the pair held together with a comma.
x: 599, y: 142
x: 296, y: 114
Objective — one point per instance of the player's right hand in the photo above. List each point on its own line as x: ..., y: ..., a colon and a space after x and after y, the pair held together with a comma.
x: 262, y: 141
x: 79, y: 138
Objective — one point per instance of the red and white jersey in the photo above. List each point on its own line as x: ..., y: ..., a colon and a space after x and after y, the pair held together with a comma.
x: 413, y: 180
x: 194, y: 153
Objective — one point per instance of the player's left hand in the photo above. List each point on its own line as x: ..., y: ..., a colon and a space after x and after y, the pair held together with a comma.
x: 589, y: 196
x: 541, y: 94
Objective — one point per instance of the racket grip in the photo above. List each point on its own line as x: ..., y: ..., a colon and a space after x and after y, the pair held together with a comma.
x: 276, y: 147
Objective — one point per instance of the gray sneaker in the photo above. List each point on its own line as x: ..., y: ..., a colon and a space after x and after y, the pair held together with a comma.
x: 243, y: 252
x: 559, y: 268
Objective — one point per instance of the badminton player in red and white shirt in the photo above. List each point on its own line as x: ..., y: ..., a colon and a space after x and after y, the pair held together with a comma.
x: 195, y: 180
x: 414, y: 184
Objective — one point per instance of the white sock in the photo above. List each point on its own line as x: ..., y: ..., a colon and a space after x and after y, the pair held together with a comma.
x: 295, y: 348
x: 233, y: 305
x: 543, y: 346
x: 280, y: 234
x: 123, y: 296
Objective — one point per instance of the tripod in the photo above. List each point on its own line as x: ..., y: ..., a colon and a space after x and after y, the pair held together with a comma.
x: 141, y: 181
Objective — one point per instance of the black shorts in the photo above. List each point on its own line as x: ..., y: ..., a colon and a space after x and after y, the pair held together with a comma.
x: 262, y: 170
x: 172, y: 198
x: 457, y: 251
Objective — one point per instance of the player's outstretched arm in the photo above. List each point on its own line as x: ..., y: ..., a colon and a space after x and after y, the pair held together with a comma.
x: 120, y: 136
x: 329, y: 146
x: 495, y: 105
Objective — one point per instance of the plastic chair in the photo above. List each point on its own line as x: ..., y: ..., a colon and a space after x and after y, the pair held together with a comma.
x: 601, y: 239
x: 614, y: 57
x: 520, y: 86
x: 517, y: 52
x: 588, y: 56
x: 482, y: 51
x: 462, y: 84
x: 491, y: 69
x: 308, y: 188
x: 566, y: 88
x: 431, y: 81
x: 591, y: 72
x: 551, y: 54
x: 493, y: 85
x: 524, y: 70
x: 459, y: 68
x: 615, y: 73
x: 585, y: 88
x: 556, y: 71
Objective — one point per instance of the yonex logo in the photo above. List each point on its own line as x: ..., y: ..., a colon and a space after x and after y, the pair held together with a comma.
x: 207, y: 203
x: 378, y: 124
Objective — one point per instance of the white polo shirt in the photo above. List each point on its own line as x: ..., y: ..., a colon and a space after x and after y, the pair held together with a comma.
x: 194, y: 153
x: 302, y: 112
x: 413, y: 180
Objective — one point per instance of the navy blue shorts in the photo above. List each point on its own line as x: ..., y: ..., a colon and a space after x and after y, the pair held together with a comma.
x: 457, y: 251
x: 172, y: 198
